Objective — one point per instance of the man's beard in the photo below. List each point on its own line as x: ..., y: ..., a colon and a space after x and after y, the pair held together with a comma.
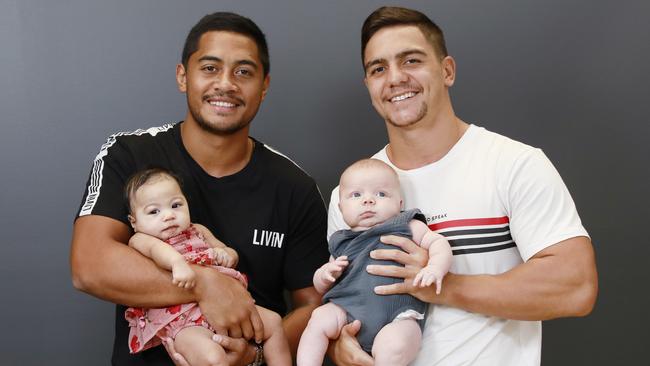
x: 421, y: 113
x: 216, y: 129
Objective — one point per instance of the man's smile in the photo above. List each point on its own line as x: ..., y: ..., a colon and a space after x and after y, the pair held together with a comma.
x: 403, y: 96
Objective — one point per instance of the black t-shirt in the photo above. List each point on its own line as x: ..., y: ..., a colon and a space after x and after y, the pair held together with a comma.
x: 271, y: 212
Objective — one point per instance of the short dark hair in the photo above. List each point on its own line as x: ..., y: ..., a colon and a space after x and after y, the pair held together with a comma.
x: 140, y: 178
x: 228, y: 22
x: 390, y: 16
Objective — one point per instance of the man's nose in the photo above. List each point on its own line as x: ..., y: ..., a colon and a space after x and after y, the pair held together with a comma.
x: 396, y: 76
x: 225, y: 82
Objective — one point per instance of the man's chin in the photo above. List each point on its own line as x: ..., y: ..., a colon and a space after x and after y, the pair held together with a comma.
x: 222, y: 129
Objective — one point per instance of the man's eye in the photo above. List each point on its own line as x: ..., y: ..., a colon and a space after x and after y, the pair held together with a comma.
x: 412, y: 61
x: 243, y: 72
x: 209, y: 68
x: 377, y: 70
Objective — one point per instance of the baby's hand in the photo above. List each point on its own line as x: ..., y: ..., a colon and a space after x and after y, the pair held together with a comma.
x: 429, y: 275
x: 182, y: 275
x: 332, y: 270
x: 223, y: 258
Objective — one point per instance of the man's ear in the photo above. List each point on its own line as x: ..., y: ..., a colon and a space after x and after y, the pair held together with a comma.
x: 449, y: 70
x: 132, y: 221
x: 181, y: 78
x: 265, y: 86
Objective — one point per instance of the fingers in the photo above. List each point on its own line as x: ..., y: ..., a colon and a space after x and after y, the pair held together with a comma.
x: 258, y: 326
x: 236, y: 349
x: 417, y: 281
x: 429, y: 280
x: 247, y: 330
x: 184, y: 284
x: 235, y: 331
x: 328, y: 277
x: 392, y: 255
x: 230, y: 344
x: 351, y: 329
x: 230, y: 262
x: 390, y: 271
x: 399, y: 241
x: 220, y: 330
x: 347, y: 350
x: 176, y: 357
x: 396, y: 288
x: 438, y: 286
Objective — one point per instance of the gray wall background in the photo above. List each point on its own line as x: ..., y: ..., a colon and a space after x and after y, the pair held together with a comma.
x: 568, y: 76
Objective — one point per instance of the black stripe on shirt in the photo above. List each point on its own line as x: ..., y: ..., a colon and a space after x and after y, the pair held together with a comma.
x: 480, y: 240
x: 483, y: 249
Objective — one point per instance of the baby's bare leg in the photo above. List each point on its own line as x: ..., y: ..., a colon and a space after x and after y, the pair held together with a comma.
x: 397, y: 343
x: 198, y: 348
x: 325, y: 324
x: 276, y: 348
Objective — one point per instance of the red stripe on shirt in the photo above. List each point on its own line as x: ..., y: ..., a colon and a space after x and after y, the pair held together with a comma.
x: 470, y: 222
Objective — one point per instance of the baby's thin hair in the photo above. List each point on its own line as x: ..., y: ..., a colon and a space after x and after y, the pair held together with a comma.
x: 142, y: 177
x: 370, y: 163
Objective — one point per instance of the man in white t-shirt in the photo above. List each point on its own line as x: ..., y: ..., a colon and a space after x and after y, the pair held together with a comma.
x: 521, y: 254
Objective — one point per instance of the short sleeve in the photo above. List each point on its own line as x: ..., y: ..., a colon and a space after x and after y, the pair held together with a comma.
x: 540, y: 207
x: 103, y: 194
x: 308, y: 247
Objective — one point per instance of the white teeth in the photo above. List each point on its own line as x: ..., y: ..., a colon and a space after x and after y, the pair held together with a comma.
x: 222, y: 104
x: 402, y: 97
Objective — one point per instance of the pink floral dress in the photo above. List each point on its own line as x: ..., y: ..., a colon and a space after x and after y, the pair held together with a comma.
x: 149, y: 326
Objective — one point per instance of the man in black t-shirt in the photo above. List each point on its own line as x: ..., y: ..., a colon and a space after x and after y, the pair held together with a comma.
x: 253, y: 198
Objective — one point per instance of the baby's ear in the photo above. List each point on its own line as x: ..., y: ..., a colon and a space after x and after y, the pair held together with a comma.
x: 132, y: 221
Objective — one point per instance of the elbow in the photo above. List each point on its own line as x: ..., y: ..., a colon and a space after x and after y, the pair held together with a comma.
x: 586, y: 299
x: 83, y: 276
x: 80, y: 280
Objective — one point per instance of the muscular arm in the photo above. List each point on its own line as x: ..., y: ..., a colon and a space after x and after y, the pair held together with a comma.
x: 103, y: 266
x: 558, y: 281
x: 304, y: 301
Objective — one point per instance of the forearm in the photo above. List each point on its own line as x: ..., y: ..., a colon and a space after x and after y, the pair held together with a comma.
x: 559, y: 283
x: 304, y: 302
x: 126, y: 277
x: 295, y: 323
x: 440, y: 255
x: 320, y: 284
x: 103, y: 266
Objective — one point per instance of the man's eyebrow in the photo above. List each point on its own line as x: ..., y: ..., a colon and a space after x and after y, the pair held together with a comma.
x: 247, y: 62
x: 238, y: 62
x: 413, y: 51
x: 401, y: 55
x: 210, y: 58
x: 374, y: 62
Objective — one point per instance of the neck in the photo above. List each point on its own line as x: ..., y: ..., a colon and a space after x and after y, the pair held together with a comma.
x: 424, y: 142
x: 218, y: 155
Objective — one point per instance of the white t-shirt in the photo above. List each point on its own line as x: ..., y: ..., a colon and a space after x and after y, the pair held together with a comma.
x: 498, y: 202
